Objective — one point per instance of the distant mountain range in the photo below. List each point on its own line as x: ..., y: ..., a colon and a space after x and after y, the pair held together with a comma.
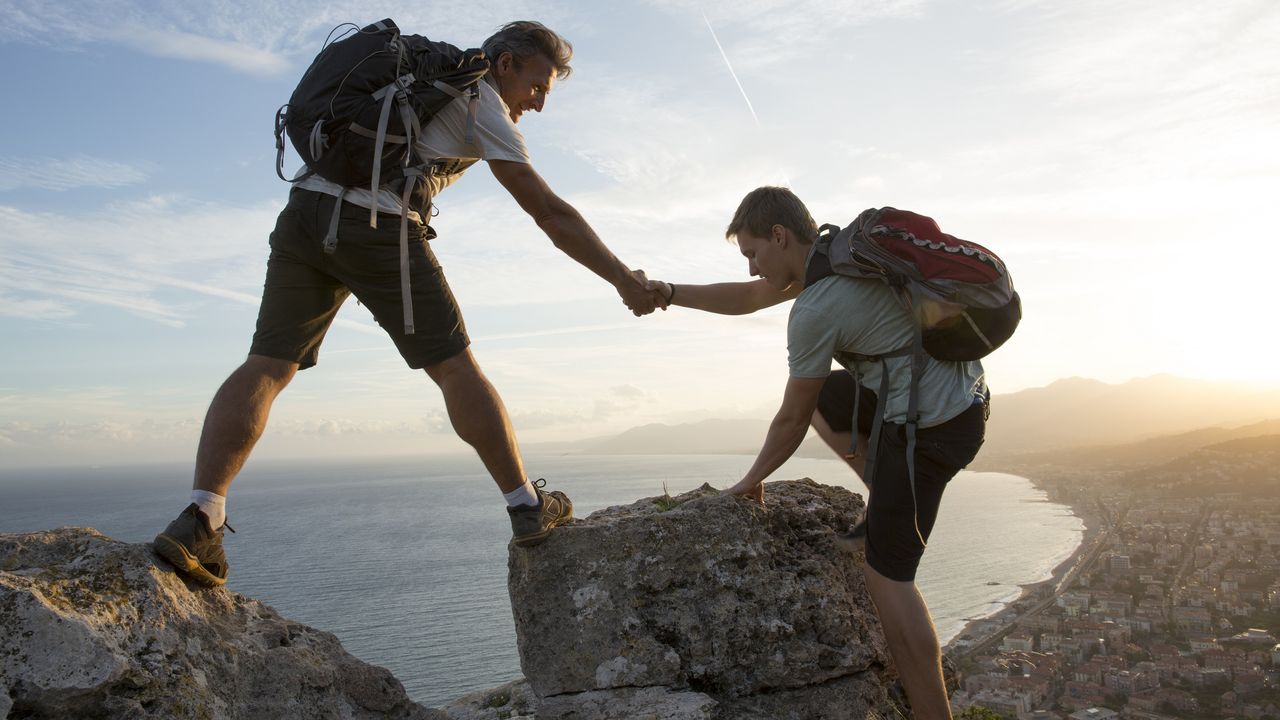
x: 1144, y: 453
x: 1244, y: 465
x: 706, y: 437
x: 1137, y: 422
x: 1078, y: 412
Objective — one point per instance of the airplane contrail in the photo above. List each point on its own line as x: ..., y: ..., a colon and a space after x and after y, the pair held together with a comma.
x: 731, y: 72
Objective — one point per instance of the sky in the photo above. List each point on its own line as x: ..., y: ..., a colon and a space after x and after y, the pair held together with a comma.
x: 1120, y: 155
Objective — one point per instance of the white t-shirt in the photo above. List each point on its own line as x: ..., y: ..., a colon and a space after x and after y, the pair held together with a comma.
x: 496, y: 138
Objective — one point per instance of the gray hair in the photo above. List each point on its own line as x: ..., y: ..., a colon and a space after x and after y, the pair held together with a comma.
x: 526, y: 38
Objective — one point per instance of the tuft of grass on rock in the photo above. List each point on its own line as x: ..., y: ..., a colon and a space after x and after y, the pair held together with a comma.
x: 666, y: 502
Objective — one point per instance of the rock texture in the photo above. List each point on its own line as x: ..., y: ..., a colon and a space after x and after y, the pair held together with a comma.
x: 517, y: 701
x: 700, y: 607
x: 512, y: 701
x: 704, y: 606
x: 92, y: 627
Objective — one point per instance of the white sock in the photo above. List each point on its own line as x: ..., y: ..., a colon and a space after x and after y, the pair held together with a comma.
x: 211, y: 504
x: 523, y: 495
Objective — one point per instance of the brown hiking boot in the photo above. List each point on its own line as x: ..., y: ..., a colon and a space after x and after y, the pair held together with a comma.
x: 194, y: 548
x: 531, y: 524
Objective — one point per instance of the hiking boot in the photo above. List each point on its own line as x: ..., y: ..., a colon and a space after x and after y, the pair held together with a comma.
x: 531, y: 524
x: 194, y: 548
x: 855, y: 540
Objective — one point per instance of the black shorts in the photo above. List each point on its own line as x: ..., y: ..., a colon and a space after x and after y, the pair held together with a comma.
x: 893, y: 548
x: 305, y: 286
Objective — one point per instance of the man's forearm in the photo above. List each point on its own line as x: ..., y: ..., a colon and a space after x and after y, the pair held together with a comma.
x: 561, y: 222
x: 785, y: 435
x: 732, y: 298
x: 571, y: 234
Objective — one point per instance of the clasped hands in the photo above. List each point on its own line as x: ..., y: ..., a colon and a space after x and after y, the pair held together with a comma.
x: 642, y: 295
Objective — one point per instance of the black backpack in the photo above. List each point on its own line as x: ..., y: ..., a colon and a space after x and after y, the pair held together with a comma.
x: 340, y: 117
x: 361, y: 106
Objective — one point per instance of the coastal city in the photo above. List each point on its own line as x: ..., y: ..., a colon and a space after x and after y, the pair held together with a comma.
x: 1169, y: 609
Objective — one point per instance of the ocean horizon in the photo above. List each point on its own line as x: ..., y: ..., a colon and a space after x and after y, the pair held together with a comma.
x: 405, y: 559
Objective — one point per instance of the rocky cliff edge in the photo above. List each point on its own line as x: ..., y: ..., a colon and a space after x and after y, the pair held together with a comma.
x: 697, y: 607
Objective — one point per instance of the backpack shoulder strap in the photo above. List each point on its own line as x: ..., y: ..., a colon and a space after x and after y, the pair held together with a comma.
x: 820, y: 263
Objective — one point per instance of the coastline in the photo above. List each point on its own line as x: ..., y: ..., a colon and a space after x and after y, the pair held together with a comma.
x: 978, y: 629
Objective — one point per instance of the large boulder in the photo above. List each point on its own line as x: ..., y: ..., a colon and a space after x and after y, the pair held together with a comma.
x: 92, y: 627
x: 703, y: 606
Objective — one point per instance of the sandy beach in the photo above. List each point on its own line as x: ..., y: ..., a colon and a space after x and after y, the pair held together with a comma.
x: 979, y: 629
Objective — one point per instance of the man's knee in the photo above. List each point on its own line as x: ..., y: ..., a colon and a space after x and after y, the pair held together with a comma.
x: 268, y: 369
x: 898, y: 602
x: 457, y: 368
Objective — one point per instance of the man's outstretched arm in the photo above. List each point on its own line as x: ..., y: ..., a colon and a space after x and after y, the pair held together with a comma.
x: 786, y: 432
x: 730, y: 298
x: 570, y: 232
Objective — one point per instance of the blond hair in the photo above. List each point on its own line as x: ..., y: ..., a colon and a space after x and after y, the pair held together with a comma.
x: 767, y: 206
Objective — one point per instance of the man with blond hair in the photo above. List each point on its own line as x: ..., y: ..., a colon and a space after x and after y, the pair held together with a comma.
x: 848, y: 319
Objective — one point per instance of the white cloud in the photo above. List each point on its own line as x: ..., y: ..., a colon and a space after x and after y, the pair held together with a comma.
x: 34, y: 309
x: 756, y: 30
x: 137, y: 255
x: 190, y: 46
x: 71, y: 173
x: 629, y: 391
x: 1133, y: 52
x: 62, y: 443
x: 129, y: 257
x: 264, y: 38
x: 244, y: 37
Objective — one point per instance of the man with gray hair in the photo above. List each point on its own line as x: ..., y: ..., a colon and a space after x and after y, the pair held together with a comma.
x: 306, y: 284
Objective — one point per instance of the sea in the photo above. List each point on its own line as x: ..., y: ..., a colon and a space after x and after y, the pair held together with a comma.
x: 405, y: 559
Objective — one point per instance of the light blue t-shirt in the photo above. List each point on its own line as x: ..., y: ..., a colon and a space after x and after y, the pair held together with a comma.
x: 839, y: 315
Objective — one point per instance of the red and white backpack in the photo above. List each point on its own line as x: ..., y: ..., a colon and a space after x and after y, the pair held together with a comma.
x: 959, y: 293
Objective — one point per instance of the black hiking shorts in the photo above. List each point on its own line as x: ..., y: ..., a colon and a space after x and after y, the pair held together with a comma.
x: 893, y: 548
x: 305, y: 286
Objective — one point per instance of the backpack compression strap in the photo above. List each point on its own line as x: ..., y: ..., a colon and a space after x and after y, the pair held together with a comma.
x: 411, y: 177
x: 395, y: 91
x: 331, y: 238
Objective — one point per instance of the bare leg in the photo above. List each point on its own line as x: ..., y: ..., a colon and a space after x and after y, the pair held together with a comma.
x: 913, y: 643
x: 839, y: 443
x: 905, y: 618
x: 236, y: 418
x: 479, y: 418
